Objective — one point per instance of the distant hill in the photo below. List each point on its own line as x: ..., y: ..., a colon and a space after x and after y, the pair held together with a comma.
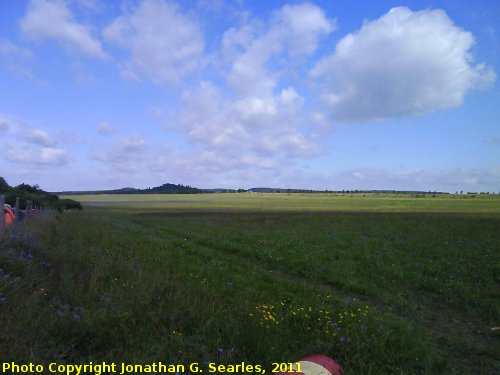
x: 182, y: 189
x: 172, y: 189
x: 186, y: 189
x: 163, y: 189
x: 281, y: 190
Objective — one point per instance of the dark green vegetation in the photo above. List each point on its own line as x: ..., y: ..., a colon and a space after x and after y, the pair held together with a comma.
x: 163, y: 189
x: 37, y: 196
x: 182, y: 189
x: 382, y: 292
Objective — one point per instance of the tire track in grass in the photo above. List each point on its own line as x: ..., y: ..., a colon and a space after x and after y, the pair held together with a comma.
x: 272, y: 272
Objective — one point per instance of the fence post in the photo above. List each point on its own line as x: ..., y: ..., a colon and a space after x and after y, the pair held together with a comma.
x: 2, y: 210
x: 27, y: 211
x: 16, y: 217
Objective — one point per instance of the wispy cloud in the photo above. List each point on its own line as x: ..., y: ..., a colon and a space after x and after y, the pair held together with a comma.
x: 492, y: 140
x: 291, y: 32
x: 451, y: 179
x: 165, y: 44
x: 105, y: 129
x: 253, y: 122
x: 124, y: 153
x: 36, y: 156
x: 15, y: 59
x: 38, y: 137
x: 4, y: 125
x: 52, y: 19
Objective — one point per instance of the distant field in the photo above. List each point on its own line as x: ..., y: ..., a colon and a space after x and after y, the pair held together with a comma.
x: 302, y: 202
x: 384, y: 284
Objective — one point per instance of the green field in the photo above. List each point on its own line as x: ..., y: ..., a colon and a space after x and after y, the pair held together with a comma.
x: 384, y: 284
x: 299, y: 202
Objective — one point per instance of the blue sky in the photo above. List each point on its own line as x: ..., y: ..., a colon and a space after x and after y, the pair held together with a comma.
x: 320, y: 95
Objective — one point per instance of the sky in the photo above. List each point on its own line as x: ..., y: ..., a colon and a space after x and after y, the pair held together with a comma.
x: 321, y: 95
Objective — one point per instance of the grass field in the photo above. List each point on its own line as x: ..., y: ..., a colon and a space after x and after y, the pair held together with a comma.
x: 383, y: 284
x: 299, y: 202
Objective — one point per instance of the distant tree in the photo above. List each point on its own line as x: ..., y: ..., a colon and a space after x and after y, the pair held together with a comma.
x: 4, y: 186
x: 68, y: 204
x: 37, y: 196
x: 28, y: 188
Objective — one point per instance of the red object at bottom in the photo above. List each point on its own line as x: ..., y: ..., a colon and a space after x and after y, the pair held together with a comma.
x: 8, y: 216
x: 317, y: 364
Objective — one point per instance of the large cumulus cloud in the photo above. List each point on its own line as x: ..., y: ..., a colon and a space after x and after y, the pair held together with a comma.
x: 404, y: 63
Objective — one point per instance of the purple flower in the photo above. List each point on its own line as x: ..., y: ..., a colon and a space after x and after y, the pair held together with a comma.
x: 2, y: 298
x: 342, y: 339
x: 362, y: 326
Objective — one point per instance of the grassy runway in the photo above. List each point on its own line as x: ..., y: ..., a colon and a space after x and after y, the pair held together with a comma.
x: 384, y: 284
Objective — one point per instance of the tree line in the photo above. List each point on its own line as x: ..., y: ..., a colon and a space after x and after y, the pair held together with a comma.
x: 37, y: 196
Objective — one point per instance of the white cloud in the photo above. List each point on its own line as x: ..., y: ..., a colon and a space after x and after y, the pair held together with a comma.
x: 69, y: 136
x: 15, y: 59
x: 132, y: 144
x: 294, y: 30
x: 32, y: 148
x: 302, y: 25
x: 105, y: 129
x: 51, y: 19
x: 4, y: 125
x: 124, y: 153
x: 8, y: 49
x: 165, y: 44
x: 448, y: 180
x: 253, y: 131
x: 36, y: 156
x: 253, y: 122
x: 404, y: 63
x: 90, y: 5
x: 38, y: 137
x: 83, y: 75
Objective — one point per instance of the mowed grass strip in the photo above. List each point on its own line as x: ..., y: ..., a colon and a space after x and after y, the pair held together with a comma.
x: 380, y: 292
